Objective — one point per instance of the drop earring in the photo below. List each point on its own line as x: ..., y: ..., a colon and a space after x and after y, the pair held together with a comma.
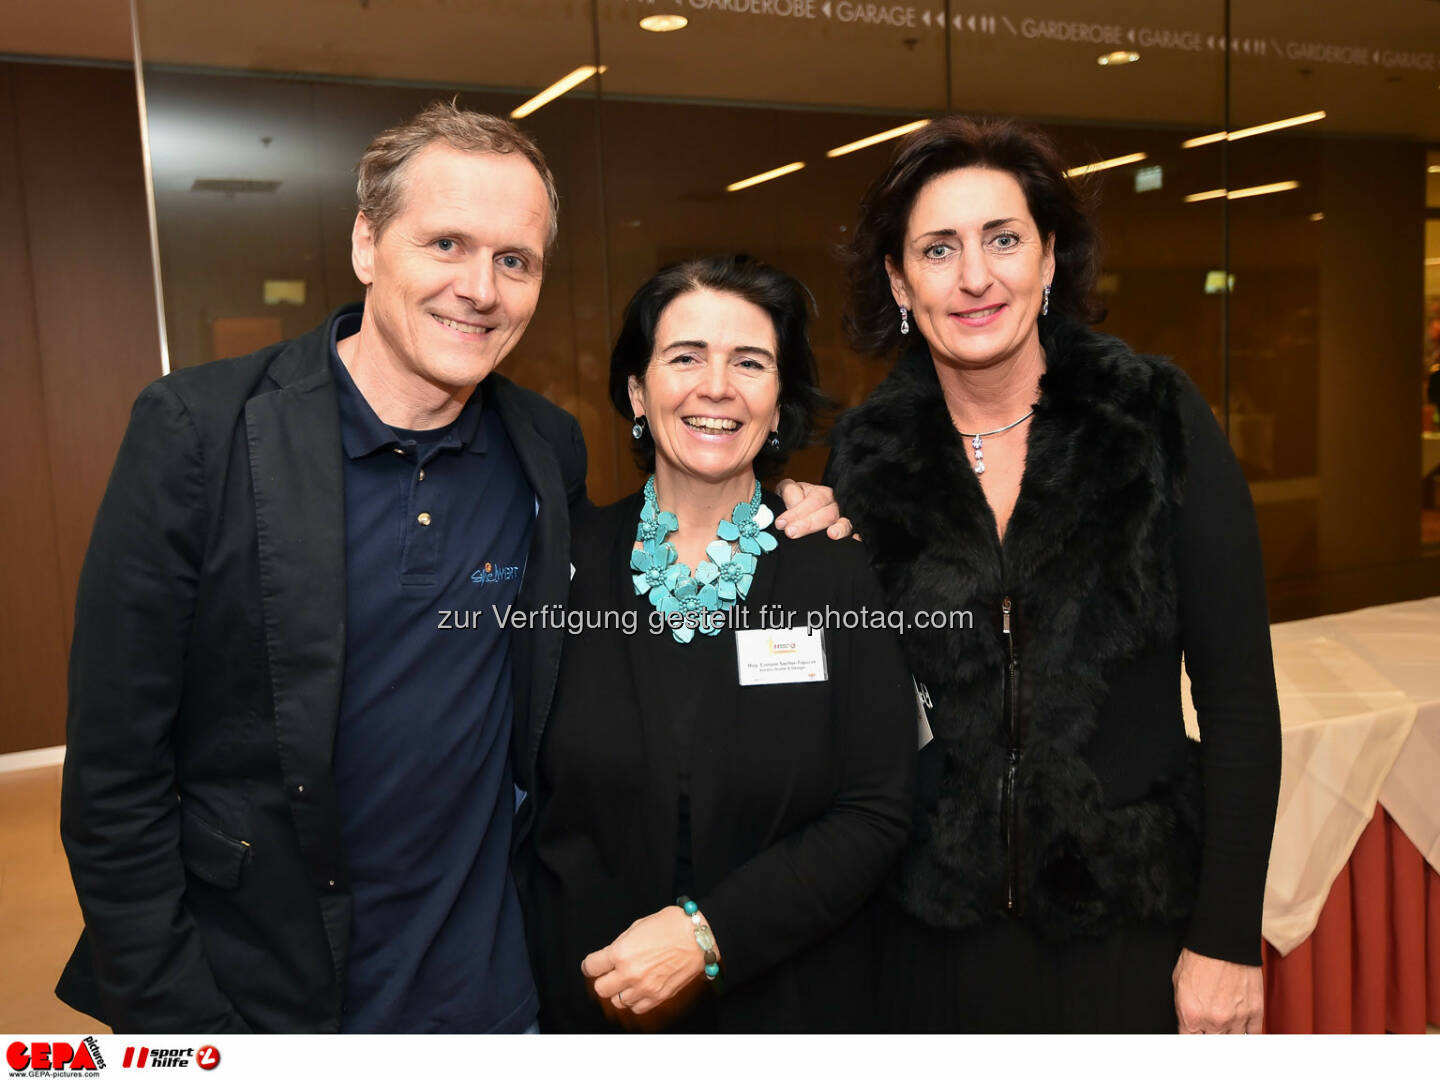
x: 1045, y: 303
x: 904, y: 319
x: 638, y: 428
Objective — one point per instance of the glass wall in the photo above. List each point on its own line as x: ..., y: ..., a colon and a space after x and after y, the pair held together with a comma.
x: 1282, y: 266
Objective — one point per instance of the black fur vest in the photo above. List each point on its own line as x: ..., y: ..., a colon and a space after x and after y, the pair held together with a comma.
x: 1029, y: 809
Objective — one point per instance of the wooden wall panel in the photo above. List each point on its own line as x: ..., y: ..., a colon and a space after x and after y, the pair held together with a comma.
x: 79, y: 135
x: 79, y: 342
x: 32, y: 628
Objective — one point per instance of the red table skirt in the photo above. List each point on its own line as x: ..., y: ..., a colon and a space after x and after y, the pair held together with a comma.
x: 1373, y: 962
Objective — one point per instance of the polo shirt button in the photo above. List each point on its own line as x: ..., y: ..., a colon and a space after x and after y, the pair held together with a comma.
x: 332, y: 884
x: 422, y: 474
x: 423, y: 519
x: 400, y: 451
x: 300, y: 789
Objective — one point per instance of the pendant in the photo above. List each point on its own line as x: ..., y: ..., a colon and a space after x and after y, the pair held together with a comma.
x: 979, y: 448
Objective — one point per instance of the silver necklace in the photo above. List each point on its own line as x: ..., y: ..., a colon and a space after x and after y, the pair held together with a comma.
x: 977, y: 439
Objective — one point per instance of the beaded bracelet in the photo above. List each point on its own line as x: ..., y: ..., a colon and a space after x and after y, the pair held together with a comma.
x: 703, y: 937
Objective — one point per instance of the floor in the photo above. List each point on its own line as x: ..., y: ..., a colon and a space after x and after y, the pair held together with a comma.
x: 39, y: 917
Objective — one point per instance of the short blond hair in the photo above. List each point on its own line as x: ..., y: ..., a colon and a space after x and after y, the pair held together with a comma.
x: 380, y: 187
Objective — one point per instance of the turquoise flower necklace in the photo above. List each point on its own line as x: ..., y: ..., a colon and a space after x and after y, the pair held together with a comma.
x: 697, y: 601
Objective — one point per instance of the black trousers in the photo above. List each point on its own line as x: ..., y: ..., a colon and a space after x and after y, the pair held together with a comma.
x: 1002, y: 976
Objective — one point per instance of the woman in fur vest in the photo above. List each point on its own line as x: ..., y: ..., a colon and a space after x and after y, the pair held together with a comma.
x: 1078, y: 863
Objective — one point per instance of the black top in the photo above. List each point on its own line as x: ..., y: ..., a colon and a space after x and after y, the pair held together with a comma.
x: 680, y: 673
x: 1133, y: 541
x: 422, y: 747
x: 800, y: 794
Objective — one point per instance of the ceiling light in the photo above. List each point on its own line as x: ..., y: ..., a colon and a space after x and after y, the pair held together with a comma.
x: 760, y: 178
x: 1258, y: 129
x: 1203, y: 140
x: 1108, y: 163
x: 879, y: 137
x: 663, y: 24
x: 1119, y: 56
x: 1276, y: 125
x: 1319, y: 215
x: 1244, y: 193
x: 555, y: 89
x: 1263, y: 189
x: 1433, y: 168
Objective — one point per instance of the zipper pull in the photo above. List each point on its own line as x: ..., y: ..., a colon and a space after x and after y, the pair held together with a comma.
x: 924, y: 693
x: 1005, y: 612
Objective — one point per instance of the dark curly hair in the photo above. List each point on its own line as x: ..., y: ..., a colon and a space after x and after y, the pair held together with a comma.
x: 782, y: 297
x: 1060, y: 206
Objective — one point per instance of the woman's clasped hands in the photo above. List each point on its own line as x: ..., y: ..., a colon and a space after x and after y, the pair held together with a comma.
x: 649, y: 965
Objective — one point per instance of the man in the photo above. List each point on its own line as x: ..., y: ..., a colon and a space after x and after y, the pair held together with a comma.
x: 288, y: 787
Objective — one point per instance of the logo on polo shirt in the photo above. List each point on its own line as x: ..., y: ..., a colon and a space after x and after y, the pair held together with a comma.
x: 490, y: 574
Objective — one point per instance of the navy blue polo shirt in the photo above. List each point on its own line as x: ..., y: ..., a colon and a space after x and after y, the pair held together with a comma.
x: 437, y: 529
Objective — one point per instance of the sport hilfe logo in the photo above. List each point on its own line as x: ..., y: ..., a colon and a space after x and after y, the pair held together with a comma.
x: 60, y: 1057
x: 142, y: 1057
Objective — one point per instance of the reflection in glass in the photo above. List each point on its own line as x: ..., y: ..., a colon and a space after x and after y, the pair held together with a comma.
x: 1245, y: 155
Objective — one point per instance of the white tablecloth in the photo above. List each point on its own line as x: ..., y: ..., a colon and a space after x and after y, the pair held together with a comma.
x: 1360, y: 716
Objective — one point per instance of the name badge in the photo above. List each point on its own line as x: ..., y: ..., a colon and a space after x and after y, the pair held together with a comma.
x: 781, y: 656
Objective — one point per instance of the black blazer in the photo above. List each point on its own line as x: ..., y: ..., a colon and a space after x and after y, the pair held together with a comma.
x: 198, y: 810
x: 800, y: 795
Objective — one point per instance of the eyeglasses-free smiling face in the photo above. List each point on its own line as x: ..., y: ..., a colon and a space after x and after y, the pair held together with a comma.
x: 974, y: 268
x: 711, y: 392
x: 455, y: 276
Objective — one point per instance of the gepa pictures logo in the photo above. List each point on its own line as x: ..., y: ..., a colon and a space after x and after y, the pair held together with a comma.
x: 27, y: 1058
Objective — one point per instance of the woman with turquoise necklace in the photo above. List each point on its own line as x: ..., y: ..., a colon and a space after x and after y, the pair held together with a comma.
x: 721, y: 790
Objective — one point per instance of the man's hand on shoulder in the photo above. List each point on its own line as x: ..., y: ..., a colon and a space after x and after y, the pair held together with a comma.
x: 810, y: 508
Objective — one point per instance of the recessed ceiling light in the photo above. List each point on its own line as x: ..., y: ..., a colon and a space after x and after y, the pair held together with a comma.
x: 879, y: 137
x: 555, y: 90
x: 1108, y: 163
x: 760, y: 178
x: 663, y: 24
x: 1204, y: 140
x: 1119, y: 56
x: 1243, y: 193
x: 1258, y: 129
x: 1319, y: 215
x: 1262, y: 189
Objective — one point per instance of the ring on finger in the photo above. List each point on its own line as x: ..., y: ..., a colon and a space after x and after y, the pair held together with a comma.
x: 620, y: 999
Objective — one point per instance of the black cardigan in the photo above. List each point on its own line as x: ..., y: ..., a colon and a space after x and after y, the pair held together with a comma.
x: 800, y: 795
x: 1133, y: 540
